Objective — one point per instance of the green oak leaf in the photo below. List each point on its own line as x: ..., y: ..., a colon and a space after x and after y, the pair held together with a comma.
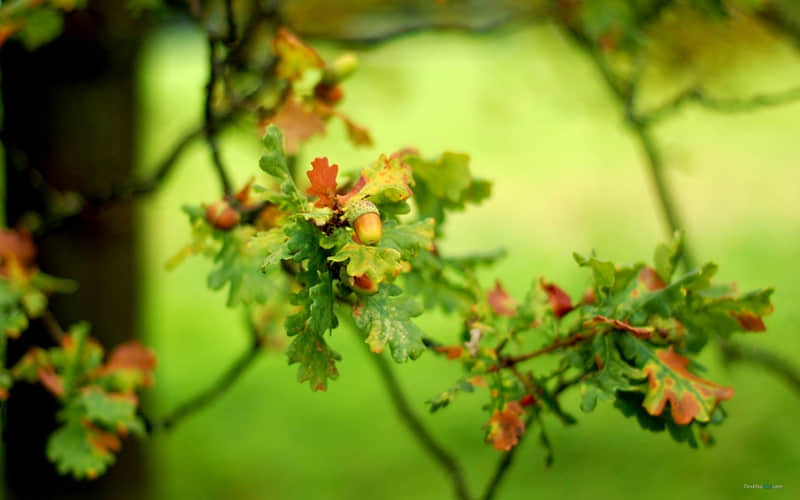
x: 445, y: 183
x: 603, y: 273
x: 239, y: 265
x: 408, y: 239
x: 667, y: 256
x: 273, y: 244
x: 113, y: 411
x: 274, y: 162
x: 378, y: 262
x: 385, y: 318
x: 72, y: 450
x: 613, y: 375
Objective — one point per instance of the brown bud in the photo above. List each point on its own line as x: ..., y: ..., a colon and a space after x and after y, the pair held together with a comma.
x: 221, y: 215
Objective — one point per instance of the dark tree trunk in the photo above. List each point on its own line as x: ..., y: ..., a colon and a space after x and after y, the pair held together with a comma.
x: 70, y: 116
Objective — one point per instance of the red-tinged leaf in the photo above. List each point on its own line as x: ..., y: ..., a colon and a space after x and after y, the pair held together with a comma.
x: 357, y: 134
x: 689, y: 396
x: 388, y: 180
x: 131, y: 356
x: 501, y: 302
x: 560, y: 302
x: 243, y: 195
x: 643, y: 332
x: 51, y: 381
x: 3, y: 393
x: 477, y: 381
x: 17, y: 253
x: 294, y: 56
x: 750, y: 322
x: 297, y: 122
x: 452, y: 351
x: 104, y: 442
x: 323, y: 182
x: 650, y: 279
x: 506, y: 426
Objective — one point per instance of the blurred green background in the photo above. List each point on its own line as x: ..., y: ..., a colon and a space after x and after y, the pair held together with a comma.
x: 537, y: 120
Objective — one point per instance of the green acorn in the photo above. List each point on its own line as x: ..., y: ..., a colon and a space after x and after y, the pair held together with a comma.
x: 365, y: 218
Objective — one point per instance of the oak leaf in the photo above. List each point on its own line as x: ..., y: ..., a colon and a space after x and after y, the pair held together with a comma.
x: 294, y: 56
x: 323, y: 182
x: 297, y: 122
x: 500, y: 301
x: 560, y: 302
x: 506, y: 426
x: 690, y: 397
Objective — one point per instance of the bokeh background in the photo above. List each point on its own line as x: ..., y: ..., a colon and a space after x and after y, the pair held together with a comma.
x: 568, y: 176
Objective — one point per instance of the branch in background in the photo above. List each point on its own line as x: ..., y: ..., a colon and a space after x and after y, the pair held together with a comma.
x: 210, y: 394
x: 418, y: 26
x: 136, y: 188
x: 778, y: 365
x: 779, y: 22
x: 423, y: 435
x: 210, y: 124
x: 625, y: 94
x: 735, y: 105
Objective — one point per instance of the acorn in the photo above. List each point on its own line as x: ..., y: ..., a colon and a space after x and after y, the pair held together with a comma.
x: 222, y: 215
x: 364, y: 285
x: 366, y: 220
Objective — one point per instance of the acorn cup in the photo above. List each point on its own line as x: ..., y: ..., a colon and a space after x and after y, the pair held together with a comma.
x: 365, y: 218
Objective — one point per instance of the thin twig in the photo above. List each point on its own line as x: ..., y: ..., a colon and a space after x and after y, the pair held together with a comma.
x: 732, y: 105
x: 231, y: 22
x: 625, y: 94
x: 210, y: 124
x: 511, y: 361
x: 447, y: 461
x: 779, y: 365
x: 355, y: 38
x: 210, y: 394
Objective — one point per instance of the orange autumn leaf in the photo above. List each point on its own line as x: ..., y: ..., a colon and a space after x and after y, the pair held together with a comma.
x: 51, y: 381
x: 451, y: 351
x: 750, y: 322
x: 506, y: 426
x: 294, y: 56
x: 501, y: 302
x: 560, y: 302
x: 103, y: 441
x: 132, y: 356
x: 323, y: 182
x: 297, y: 123
x: 689, y: 396
x: 650, y: 279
